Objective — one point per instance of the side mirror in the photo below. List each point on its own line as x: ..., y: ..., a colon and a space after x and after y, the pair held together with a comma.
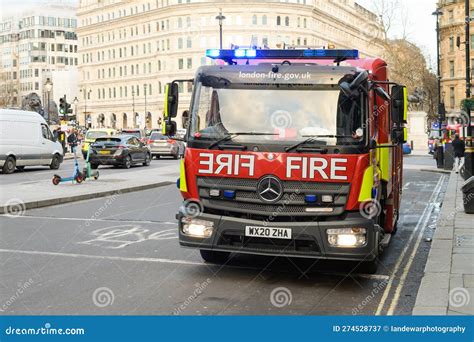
x: 399, y: 104
x: 171, y: 100
x: 382, y: 93
x: 399, y: 135
x: 352, y: 89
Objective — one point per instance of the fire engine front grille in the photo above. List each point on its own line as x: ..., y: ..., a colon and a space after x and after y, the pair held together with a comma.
x: 292, y: 203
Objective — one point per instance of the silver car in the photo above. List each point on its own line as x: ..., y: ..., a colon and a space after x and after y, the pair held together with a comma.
x: 162, y: 145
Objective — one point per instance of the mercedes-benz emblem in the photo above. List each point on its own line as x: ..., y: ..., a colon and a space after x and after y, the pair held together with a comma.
x: 269, y: 189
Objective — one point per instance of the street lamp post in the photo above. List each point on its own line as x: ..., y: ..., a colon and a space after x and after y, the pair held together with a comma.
x: 48, y: 86
x: 221, y: 19
x: 146, y: 114
x: 469, y: 154
x: 133, y: 103
x: 439, y: 147
x: 86, y: 93
x: 75, y: 101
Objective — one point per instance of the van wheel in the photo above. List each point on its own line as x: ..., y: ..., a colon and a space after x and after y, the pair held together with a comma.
x: 214, y: 257
x: 9, y: 166
x: 55, y: 162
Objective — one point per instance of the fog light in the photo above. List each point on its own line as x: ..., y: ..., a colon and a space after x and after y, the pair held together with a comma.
x: 347, y: 237
x: 327, y: 199
x: 214, y: 192
x: 197, y: 228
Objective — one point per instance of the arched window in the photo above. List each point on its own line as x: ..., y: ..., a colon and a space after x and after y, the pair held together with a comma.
x: 254, y: 20
x: 278, y: 20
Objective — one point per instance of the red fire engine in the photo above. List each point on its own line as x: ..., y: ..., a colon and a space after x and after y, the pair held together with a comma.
x: 293, y: 153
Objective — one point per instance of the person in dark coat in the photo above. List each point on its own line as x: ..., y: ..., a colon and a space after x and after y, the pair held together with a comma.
x: 72, y: 140
x: 459, y: 147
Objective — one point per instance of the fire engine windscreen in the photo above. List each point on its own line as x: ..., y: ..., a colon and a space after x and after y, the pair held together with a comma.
x: 291, y: 108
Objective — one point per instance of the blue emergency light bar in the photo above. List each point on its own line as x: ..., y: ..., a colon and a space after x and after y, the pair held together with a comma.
x: 282, y: 54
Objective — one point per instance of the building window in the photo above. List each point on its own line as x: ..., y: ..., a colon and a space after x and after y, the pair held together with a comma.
x: 451, y: 44
x: 254, y: 19
x: 180, y: 64
x: 287, y: 21
x: 452, y: 97
x: 189, y: 42
x: 180, y: 43
x: 189, y: 63
x: 450, y: 16
x: 264, y: 20
x: 451, y: 69
x: 278, y: 20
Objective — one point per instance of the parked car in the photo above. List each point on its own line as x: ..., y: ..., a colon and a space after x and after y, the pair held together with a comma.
x: 26, y: 140
x: 121, y: 150
x: 138, y: 133
x: 162, y: 145
x: 92, y: 135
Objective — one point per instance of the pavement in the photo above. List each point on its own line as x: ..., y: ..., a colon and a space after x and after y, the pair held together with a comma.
x: 34, y: 190
x: 447, y: 286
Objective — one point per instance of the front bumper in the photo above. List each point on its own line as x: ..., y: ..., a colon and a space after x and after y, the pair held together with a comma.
x: 309, y: 239
x: 106, y: 160
x: 164, y: 150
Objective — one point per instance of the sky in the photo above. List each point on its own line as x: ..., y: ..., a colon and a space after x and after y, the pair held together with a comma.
x: 421, y: 24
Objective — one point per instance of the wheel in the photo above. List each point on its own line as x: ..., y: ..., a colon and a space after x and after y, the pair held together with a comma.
x: 147, y: 160
x: 56, y: 179
x: 214, y: 257
x: 55, y: 162
x: 79, y: 178
x: 94, y: 166
x: 368, y: 267
x: 127, y: 163
x: 9, y: 166
x: 20, y: 168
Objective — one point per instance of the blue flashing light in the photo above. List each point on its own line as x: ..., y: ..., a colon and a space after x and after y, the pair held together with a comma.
x: 251, y: 53
x: 178, y: 181
x: 239, y: 53
x: 310, y: 198
x: 213, y: 53
x: 333, y: 54
x: 229, y: 194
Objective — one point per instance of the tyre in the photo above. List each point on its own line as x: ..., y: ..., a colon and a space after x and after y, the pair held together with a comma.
x: 56, y: 179
x: 20, y: 168
x: 94, y: 166
x: 127, y: 163
x: 214, y: 257
x: 79, y: 178
x: 9, y: 166
x: 147, y: 160
x: 368, y: 267
x: 55, y: 162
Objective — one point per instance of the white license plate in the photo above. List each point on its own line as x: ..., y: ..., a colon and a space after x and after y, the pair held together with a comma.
x: 268, y: 232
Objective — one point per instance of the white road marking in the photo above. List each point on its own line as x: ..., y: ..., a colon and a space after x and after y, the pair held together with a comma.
x: 428, y: 210
x: 90, y: 220
x: 103, y: 257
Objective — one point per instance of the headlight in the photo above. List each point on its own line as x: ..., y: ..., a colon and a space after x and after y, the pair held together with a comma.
x: 347, y: 237
x: 197, y: 228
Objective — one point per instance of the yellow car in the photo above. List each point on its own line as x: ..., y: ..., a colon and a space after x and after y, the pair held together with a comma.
x: 93, y: 134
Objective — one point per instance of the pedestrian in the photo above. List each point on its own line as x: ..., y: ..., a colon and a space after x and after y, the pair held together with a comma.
x: 72, y: 141
x: 459, y: 146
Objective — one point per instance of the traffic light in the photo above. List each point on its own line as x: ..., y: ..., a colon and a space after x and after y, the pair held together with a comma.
x: 62, y: 106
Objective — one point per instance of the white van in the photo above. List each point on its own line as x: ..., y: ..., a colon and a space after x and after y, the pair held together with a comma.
x: 26, y: 140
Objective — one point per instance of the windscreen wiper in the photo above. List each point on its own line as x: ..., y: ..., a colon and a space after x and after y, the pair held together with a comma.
x: 312, y: 138
x: 231, y: 136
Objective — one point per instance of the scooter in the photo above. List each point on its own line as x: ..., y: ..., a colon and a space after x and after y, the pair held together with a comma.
x: 87, y: 171
x: 77, y: 175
